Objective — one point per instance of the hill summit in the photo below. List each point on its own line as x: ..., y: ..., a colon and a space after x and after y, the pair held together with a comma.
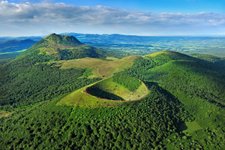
x: 62, y: 39
x: 60, y: 47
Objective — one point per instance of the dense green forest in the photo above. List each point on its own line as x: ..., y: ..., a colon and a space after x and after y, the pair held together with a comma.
x: 199, y: 85
x: 38, y: 82
x: 184, y: 109
x: 29, y: 78
x: 46, y: 125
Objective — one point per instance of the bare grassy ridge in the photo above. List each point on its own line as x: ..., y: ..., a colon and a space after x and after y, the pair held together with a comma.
x: 100, y: 67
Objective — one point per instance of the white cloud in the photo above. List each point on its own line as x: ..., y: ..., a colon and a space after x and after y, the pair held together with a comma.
x: 43, y: 18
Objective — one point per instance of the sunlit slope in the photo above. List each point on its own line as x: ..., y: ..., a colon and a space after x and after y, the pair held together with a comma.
x: 80, y: 98
x: 110, y: 86
x: 99, y: 67
x: 197, y: 78
x: 104, y: 93
x: 168, y: 55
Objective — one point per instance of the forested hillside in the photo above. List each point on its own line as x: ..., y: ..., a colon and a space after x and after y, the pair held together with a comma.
x: 58, y: 47
x: 142, y: 125
x: 164, y: 100
x: 198, y: 84
x: 29, y: 78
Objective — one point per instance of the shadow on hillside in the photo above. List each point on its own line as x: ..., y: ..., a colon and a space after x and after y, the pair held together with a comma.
x: 180, y: 124
x: 95, y: 91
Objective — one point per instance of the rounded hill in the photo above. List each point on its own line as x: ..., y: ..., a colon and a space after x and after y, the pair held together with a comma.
x: 165, y: 56
x: 105, y: 93
x: 59, y: 47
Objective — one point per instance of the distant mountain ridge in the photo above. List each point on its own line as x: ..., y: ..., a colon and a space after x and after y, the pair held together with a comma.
x: 60, y: 47
x: 15, y: 45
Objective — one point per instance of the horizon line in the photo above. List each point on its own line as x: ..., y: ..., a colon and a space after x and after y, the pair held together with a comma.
x: 123, y: 34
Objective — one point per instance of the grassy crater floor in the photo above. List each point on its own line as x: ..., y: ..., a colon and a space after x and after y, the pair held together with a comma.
x: 104, y: 93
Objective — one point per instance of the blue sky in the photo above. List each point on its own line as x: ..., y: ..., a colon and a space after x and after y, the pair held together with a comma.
x: 151, y: 5
x: 140, y: 17
x: 159, y: 5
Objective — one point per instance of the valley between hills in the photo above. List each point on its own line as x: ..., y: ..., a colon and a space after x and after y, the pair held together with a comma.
x: 64, y: 94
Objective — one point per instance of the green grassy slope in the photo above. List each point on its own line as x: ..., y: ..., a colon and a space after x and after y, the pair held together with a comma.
x: 110, y: 86
x: 99, y: 67
x: 104, y: 93
x: 199, y: 85
x: 80, y: 98
x: 184, y: 110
